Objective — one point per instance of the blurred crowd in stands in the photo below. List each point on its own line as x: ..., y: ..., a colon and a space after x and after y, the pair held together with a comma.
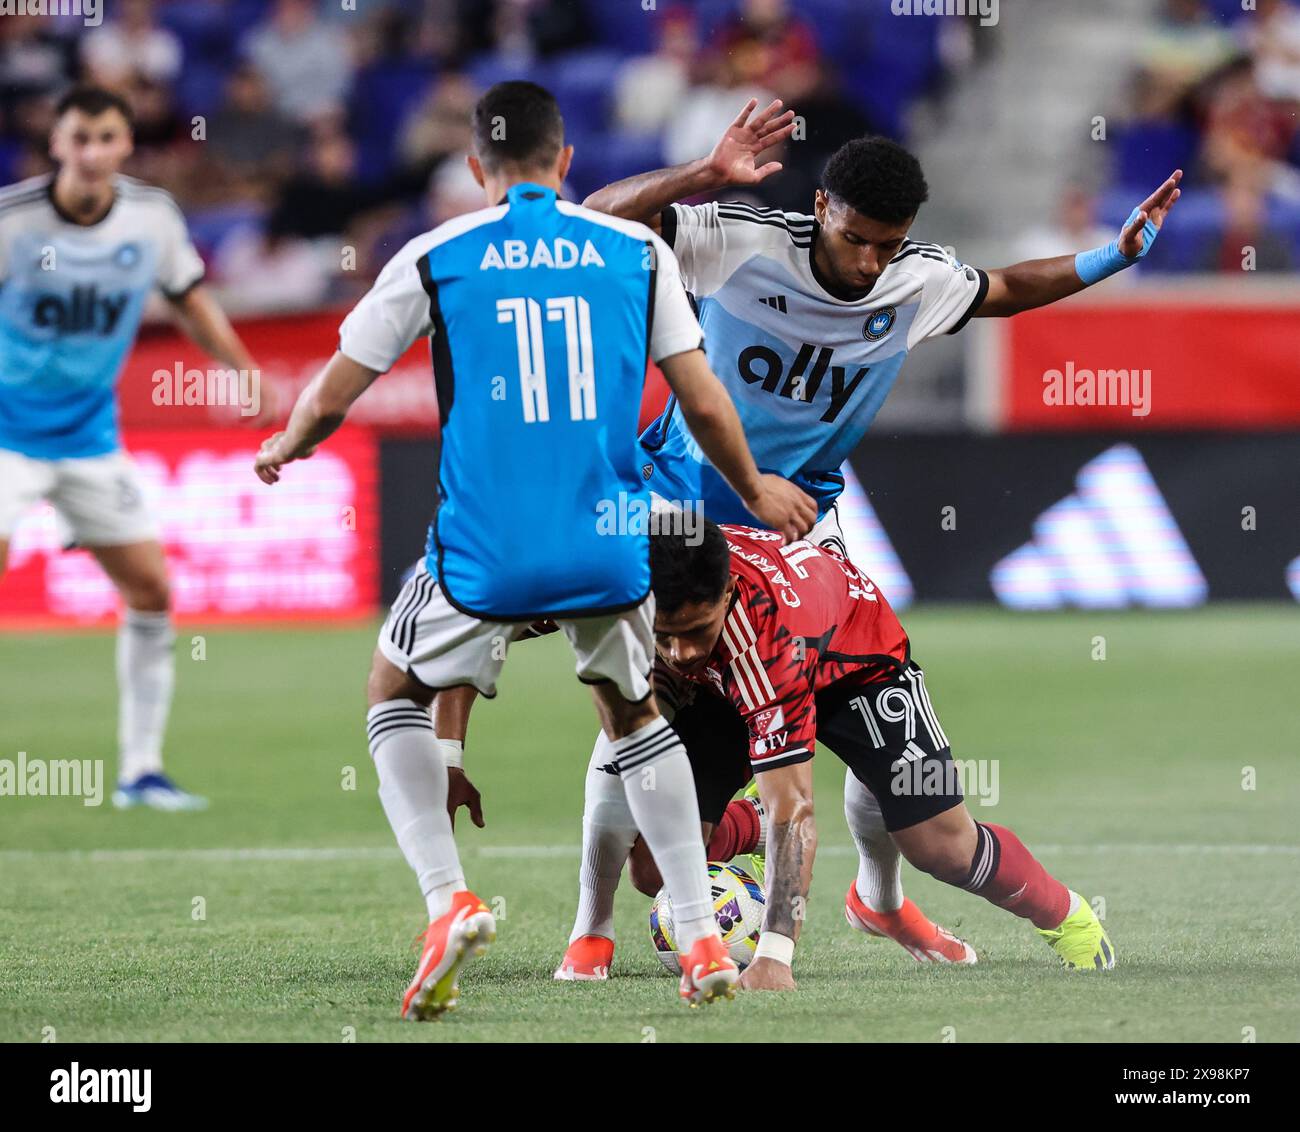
x: 307, y: 139
x: 1216, y: 92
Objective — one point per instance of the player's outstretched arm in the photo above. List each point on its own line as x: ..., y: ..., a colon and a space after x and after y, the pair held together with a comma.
x: 787, y: 795
x: 205, y: 323
x: 319, y: 410
x: 733, y: 161
x: 714, y: 423
x: 1037, y: 282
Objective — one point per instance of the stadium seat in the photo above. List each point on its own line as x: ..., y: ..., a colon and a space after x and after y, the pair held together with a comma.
x: 582, y: 82
x: 204, y: 30
x: 490, y: 68
x: 1147, y: 152
x: 384, y: 95
x: 200, y: 87
x: 210, y: 227
x: 1225, y: 11
x: 624, y: 155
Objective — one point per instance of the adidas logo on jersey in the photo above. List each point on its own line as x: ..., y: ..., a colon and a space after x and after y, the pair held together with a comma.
x: 1112, y: 543
x: 776, y: 302
x: 559, y: 253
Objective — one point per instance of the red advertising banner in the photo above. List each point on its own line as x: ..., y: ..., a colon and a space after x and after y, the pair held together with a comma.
x: 289, y: 351
x: 1143, y: 361
x: 307, y: 548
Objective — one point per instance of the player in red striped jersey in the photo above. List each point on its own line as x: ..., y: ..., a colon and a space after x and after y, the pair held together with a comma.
x: 804, y: 648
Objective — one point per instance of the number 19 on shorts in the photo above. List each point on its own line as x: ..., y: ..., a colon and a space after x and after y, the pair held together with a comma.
x: 575, y: 313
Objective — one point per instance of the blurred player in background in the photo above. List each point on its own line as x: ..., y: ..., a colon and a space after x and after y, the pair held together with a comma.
x: 808, y: 319
x: 773, y: 649
x: 80, y: 252
x: 541, y: 316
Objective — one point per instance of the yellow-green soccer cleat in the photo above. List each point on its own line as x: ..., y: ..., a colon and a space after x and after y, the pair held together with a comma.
x: 1081, y: 941
x: 758, y: 858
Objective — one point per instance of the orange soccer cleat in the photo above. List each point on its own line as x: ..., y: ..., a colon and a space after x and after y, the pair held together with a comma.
x: 587, y: 959
x: 909, y: 927
x: 449, y: 943
x: 708, y: 972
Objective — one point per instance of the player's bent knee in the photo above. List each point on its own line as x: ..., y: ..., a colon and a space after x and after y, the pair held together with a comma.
x: 642, y: 870
x: 942, y: 860
x: 388, y: 682
x: 150, y: 595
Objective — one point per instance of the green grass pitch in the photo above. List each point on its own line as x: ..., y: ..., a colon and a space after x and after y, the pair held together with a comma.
x: 285, y: 914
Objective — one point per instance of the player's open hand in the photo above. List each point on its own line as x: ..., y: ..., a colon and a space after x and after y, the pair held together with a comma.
x: 781, y: 506
x: 461, y: 792
x: 767, y: 974
x: 272, y: 456
x: 733, y: 160
x: 1155, y: 208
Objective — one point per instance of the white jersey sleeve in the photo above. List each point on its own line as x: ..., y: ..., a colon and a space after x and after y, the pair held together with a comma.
x: 951, y: 291
x: 392, y: 314
x: 712, y: 240
x: 674, y: 328
x: 180, y: 267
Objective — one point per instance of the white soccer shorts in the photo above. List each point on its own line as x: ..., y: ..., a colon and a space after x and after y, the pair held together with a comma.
x: 425, y: 635
x: 98, y: 498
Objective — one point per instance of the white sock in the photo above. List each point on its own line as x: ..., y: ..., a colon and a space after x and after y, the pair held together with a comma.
x: 660, y: 792
x: 608, y: 832
x: 146, y: 675
x: 413, y: 790
x: 880, y: 880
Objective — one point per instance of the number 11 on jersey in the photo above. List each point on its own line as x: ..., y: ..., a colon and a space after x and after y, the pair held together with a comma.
x: 575, y: 313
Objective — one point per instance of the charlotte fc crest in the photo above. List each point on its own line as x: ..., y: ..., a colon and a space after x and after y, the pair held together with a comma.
x: 879, y: 323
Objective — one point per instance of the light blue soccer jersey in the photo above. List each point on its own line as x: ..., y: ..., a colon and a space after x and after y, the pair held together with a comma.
x: 541, y: 316
x: 71, y: 297
x: 808, y: 372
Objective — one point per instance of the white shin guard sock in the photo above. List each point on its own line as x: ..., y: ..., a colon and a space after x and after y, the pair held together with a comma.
x: 146, y: 675
x: 880, y: 880
x: 608, y: 832
x: 413, y: 790
x: 660, y: 792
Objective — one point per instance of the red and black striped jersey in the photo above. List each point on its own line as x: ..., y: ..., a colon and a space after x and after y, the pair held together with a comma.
x: 802, y: 619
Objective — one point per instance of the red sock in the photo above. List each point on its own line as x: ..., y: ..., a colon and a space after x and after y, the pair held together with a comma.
x: 735, y: 834
x: 1007, y: 874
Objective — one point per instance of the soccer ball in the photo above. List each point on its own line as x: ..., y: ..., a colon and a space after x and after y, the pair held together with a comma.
x: 737, y: 906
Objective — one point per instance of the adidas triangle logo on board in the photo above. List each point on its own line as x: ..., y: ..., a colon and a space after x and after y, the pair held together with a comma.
x: 1113, y: 543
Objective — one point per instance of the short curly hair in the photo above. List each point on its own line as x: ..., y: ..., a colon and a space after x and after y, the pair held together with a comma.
x: 878, y: 178
x: 685, y: 571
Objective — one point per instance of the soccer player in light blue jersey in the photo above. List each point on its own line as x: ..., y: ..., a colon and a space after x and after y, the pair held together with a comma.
x: 808, y: 320
x: 80, y: 251
x: 541, y: 316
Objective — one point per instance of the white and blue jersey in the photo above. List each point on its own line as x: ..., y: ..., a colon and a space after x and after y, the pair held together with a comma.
x: 807, y: 371
x: 71, y: 297
x: 541, y: 316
